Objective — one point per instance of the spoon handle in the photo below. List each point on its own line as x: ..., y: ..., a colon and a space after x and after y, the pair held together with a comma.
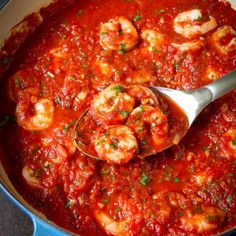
x: 222, y: 86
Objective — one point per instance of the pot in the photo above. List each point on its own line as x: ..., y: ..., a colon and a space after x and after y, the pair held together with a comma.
x: 11, y: 13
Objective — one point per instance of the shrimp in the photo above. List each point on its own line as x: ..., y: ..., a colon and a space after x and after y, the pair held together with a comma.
x: 115, y: 144
x: 40, y: 118
x: 112, y: 105
x: 30, y: 177
x: 207, y: 220
x: 188, y: 24
x: 191, y: 46
x: 23, y: 80
x: 111, y: 226
x: 150, y: 126
x: 229, y: 144
x: 140, y: 77
x: 153, y: 37
x: 142, y: 95
x: 118, y: 34
x: 211, y: 74
x: 217, y: 37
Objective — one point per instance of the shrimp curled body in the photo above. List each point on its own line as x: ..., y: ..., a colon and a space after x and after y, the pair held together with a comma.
x: 191, y: 46
x: 112, y: 105
x: 219, y: 34
x: 40, y: 118
x: 118, y: 33
x: 188, y: 24
x: 150, y: 126
x: 115, y: 144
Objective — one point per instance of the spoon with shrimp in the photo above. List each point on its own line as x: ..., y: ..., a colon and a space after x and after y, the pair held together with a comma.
x: 184, y: 107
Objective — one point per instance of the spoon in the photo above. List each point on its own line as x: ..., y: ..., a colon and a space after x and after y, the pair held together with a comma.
x: 194, y: 101
x: 188, y: 104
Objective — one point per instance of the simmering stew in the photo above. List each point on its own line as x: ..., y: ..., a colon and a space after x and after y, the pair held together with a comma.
x: 101, y: 56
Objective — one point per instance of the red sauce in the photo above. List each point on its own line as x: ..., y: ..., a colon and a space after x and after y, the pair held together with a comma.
x: 187, y: 189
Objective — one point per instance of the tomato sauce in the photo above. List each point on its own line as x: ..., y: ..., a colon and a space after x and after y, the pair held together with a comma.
x: 187, y: 189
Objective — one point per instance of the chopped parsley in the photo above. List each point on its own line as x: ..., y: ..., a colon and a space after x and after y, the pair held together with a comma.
x: 118, y: 209
x: 68, y: 203
x: 122, y: 49
x: 118, y: 88
x: 19, y: 83
x: 144, y: 180
x: 58, y: 100
x: 154, y: 49
x: 143, y: 141
x: 119, y: 72
x: 176, y: 180
x: 178, y: 156
x: 105, y: 201
x: 206, y: 149
x: 114, y: 143
x: 123, y: 113
x: 199, y: 19
x: 233, y: 142
x: 102, y: 35
x: 157, y: 11
x: 136, y: 18
x: 67, y: 126
x: 85, y: 65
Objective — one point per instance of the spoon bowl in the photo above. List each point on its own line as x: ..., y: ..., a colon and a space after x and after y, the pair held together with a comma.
x: 183, y: 106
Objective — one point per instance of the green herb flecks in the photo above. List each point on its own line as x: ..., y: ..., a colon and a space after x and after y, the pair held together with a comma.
x: 119, y: 88
x: 105, y: 201
x: 176, y: 180
x: 114, y: 143
x: 136, y: 18
x: 119, y: 72
x: 144, y: 180
x: 67, y: 126
x: 123, y: 113
x: 118, y: 209
x: 122, y: 49
x: 102, y: 35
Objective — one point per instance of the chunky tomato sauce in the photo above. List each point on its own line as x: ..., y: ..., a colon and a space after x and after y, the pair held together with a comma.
x: 69, y: 59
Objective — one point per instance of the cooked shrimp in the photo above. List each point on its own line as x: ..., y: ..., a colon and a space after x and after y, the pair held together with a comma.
x: 112, y: 105
x: 142, y: 95
x: 191, y: 46
x: 150, y: 127
x: 30, y: 177
x: 207, y: 220
x: 217, y: 37
x: 118, y: 34
x: 117, y: 228
x: 188, y: 24
x: 40, y: 118
x: 115, y: 144
x: 23, y: 80
x: 140, y: 77
x: 211, y: 74
x: 154, y: 39
x: 229, y: 144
